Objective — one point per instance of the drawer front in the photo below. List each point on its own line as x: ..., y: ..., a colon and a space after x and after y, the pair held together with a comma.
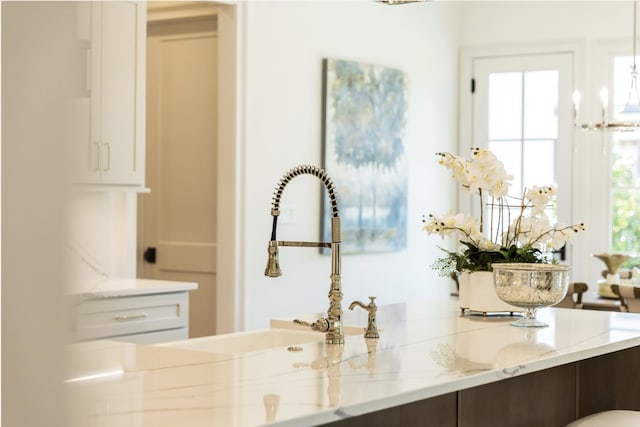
x: 111, y: 317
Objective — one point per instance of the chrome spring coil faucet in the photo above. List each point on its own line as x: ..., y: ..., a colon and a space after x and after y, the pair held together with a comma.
x: 332, y: 324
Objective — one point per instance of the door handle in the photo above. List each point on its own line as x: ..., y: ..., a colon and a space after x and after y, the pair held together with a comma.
x: 150, y: 255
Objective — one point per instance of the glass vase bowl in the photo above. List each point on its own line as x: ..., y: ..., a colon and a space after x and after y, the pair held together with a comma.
x: 530, y: 286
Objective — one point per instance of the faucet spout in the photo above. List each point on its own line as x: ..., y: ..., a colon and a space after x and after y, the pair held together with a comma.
x: 359, y: 304
x: 273, y: 264
x: 334, y: 331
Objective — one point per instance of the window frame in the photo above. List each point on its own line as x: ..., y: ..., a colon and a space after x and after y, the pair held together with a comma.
x: 608, y: 51
x: 596, y: 149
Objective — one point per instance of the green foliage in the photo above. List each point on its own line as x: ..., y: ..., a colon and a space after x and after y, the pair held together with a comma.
x: 475, y: 259
x: 625, y: 215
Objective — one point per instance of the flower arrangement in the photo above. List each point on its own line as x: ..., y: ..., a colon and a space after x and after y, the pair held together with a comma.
x: 525, y: 238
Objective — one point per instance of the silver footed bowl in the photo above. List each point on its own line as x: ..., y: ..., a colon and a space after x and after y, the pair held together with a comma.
x: 530, y: 286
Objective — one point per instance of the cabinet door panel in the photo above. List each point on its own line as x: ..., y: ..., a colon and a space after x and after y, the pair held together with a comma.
x: 121, y: 115
x: 108, y: 128
x: 517, y: 401
x: 609, y: 382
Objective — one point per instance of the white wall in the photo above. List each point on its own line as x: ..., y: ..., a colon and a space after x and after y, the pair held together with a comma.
x: 285, y: 44
x: 516, y: 22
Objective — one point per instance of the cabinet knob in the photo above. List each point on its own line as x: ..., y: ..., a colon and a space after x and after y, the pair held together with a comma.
x: 150, y: 255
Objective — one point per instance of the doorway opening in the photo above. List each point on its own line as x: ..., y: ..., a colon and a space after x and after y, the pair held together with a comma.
x: 177, y: 227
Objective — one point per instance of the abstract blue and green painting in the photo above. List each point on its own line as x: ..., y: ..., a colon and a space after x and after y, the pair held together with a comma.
x: 364, y: 116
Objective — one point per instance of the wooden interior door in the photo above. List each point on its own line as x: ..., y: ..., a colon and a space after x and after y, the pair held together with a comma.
x: 177, y: 229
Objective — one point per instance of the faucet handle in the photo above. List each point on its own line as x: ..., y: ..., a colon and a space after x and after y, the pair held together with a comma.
x: 320, y: 325
x: 371, y: 308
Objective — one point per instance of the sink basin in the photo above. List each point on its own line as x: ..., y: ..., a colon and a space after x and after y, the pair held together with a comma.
x: 287, y: 324
x: 262, y: 339
x: 245, y: 342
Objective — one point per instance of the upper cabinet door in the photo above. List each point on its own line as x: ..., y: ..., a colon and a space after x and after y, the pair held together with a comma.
x: 110, y: 135
x: 122, y: 92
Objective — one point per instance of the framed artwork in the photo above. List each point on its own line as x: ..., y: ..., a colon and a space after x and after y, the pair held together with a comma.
x: 363, y: 151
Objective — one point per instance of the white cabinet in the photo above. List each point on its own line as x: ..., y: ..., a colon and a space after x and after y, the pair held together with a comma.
x: 143, y: 319
x: 134, y: 310
x: 109, y: 140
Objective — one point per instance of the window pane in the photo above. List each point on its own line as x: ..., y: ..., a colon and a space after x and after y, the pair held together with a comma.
x: 626, y: 222
x: 541, y: 104
x: 539, y: 164
x: 625, y: 196
x: 505, y: 105
x: 625, y: 163
x: 621, y: 90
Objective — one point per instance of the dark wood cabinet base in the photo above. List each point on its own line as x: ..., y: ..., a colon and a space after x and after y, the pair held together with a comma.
x: 611, y: 381
x: 438, y: 411
x: 544, y: 398
x: 552, y: 397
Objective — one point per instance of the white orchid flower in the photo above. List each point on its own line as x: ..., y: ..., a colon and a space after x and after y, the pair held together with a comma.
x: 485, y: 175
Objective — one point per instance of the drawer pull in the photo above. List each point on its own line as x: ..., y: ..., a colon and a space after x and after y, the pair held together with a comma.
x: 131, y: 316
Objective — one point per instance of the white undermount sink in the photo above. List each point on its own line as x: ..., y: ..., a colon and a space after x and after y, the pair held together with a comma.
x: 245, y: 342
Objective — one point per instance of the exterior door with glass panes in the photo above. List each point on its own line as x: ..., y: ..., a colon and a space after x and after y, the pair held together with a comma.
x: 522, y: 112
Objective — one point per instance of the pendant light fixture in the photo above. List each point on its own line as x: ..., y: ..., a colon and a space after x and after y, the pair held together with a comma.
x: 632, y: 106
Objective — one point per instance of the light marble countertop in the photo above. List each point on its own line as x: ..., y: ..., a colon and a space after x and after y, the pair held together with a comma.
x: 426, y: 349
x: 120, y: 287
